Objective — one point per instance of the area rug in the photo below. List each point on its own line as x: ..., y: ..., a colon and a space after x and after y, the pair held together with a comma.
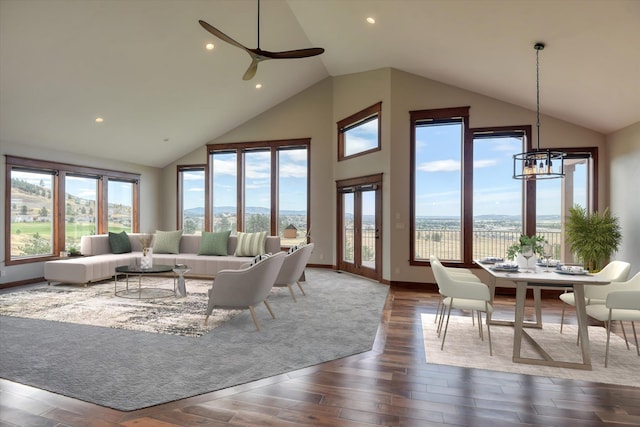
x: 463, y: 347
x: 128, y: 370
x: 157, y: 311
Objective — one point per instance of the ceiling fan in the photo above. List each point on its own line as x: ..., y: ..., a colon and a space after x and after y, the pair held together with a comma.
x: 257, y: 54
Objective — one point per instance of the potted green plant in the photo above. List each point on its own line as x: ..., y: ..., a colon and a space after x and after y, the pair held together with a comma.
x: 593, y: 236
x: 535, y: 242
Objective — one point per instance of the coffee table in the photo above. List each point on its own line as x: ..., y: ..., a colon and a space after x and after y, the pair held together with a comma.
x: 129, y: 270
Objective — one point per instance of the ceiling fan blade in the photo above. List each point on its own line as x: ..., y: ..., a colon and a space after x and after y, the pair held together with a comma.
x: 251, y: 71
x: 219, y: 34
x: 290, y: 54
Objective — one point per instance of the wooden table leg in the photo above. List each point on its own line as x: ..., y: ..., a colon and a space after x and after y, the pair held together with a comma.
x: 583, y: 330
x: 521, y: 295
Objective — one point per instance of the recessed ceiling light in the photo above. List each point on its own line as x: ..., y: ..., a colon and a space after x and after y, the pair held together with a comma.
x: 99, y: 120
x: 371, y: 20
x: 259, y: 85
x: 209, y: 46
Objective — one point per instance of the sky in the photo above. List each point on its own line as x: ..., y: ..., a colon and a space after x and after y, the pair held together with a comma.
x: 438, y: 177
x: 292, y: 172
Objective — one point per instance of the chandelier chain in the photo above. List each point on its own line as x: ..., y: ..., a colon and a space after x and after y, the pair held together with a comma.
x: 538, y: 96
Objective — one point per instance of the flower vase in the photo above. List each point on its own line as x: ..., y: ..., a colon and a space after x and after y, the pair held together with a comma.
x: 147, y: 258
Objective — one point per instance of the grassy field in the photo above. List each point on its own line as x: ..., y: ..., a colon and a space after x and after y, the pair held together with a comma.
x: 21, y: 233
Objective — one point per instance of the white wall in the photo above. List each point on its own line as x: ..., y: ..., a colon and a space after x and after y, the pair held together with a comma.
x: 149, y: 201
x: 623, y: 149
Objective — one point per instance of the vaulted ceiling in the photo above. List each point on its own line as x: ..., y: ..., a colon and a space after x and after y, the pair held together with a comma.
x: 142, y: 65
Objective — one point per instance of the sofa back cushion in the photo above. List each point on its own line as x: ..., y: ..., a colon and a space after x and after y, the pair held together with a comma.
x: 119, y: 243
x: 214, y: 243
x: 167, y: 242
x: 251, y: 244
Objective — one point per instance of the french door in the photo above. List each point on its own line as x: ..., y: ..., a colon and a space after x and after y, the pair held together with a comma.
x: 359, y: 226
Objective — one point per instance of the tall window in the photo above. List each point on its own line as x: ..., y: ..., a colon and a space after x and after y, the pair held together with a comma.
x: 81, y: 213
x: 31, y: 213
x: 293, y: 168
x: 257, y: 190
x: 224, y: 180
x: 49, y: 206
x: 437, y: 152
x: 465, y: 204
x: 497, y: 198
x: 120, y: 198
x: 191, y: 199
x: 261, y: 186
x: 359, y: 133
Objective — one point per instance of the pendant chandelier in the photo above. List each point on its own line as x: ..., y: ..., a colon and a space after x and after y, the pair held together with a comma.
x: 537, y: 163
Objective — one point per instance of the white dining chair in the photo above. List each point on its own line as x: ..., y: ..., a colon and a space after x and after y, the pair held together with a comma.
x: 462, y: 294
x: 622, y: 303
x: 460, y: 273
x: 615, y: 271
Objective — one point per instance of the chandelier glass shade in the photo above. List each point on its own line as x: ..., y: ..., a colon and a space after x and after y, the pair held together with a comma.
x: 537, y: 163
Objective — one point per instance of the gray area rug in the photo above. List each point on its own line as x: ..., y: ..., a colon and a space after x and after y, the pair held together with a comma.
x: 128, y: 370
x: 463, y: 347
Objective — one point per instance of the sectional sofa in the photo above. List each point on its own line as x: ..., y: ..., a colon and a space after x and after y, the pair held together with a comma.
x: 99, y: 263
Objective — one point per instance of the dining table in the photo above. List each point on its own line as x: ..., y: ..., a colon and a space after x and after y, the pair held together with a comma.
x: 539, y: 278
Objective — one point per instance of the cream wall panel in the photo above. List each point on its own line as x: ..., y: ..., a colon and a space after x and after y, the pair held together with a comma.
x: 353, y: 93
x: 624, y: 160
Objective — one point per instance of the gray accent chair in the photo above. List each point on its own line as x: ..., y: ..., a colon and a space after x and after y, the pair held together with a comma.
x: 246, y: 287
x: 293, y: 269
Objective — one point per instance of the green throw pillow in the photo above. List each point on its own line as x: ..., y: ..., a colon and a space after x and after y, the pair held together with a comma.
x: 119, y: 243
x: 214, y: 243
x: 251, y: 244
x: 167, y: 242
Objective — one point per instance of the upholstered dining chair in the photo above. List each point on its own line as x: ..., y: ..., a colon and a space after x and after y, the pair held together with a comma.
x: 460, y: 273
x: 465, y: 295
x: 246, y: 287
x: 293, y: 268
x: 615, y: 271
x: 622, y: 303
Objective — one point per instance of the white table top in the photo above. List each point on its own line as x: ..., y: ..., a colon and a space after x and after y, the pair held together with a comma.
x: 540, y: 276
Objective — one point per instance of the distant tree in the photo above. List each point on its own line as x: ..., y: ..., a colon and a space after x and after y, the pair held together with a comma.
x: 83, y: 210
x: 257, y: 222
x: 224, y: 224
x: 42, y: 183
x: 43, y: 211
x: 436, y: 237
x: 189, y: 226
x: 24, y: 210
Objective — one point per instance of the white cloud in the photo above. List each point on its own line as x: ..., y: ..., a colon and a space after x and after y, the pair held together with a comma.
x: 440, y: 166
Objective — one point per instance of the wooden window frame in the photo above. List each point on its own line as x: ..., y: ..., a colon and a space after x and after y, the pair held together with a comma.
x: 355, y: 120
x: 59, y: 171
x: 240, y: 148
x: 180, y: 169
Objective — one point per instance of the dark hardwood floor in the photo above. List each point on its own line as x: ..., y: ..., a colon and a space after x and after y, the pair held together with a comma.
x: 391, y: 385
